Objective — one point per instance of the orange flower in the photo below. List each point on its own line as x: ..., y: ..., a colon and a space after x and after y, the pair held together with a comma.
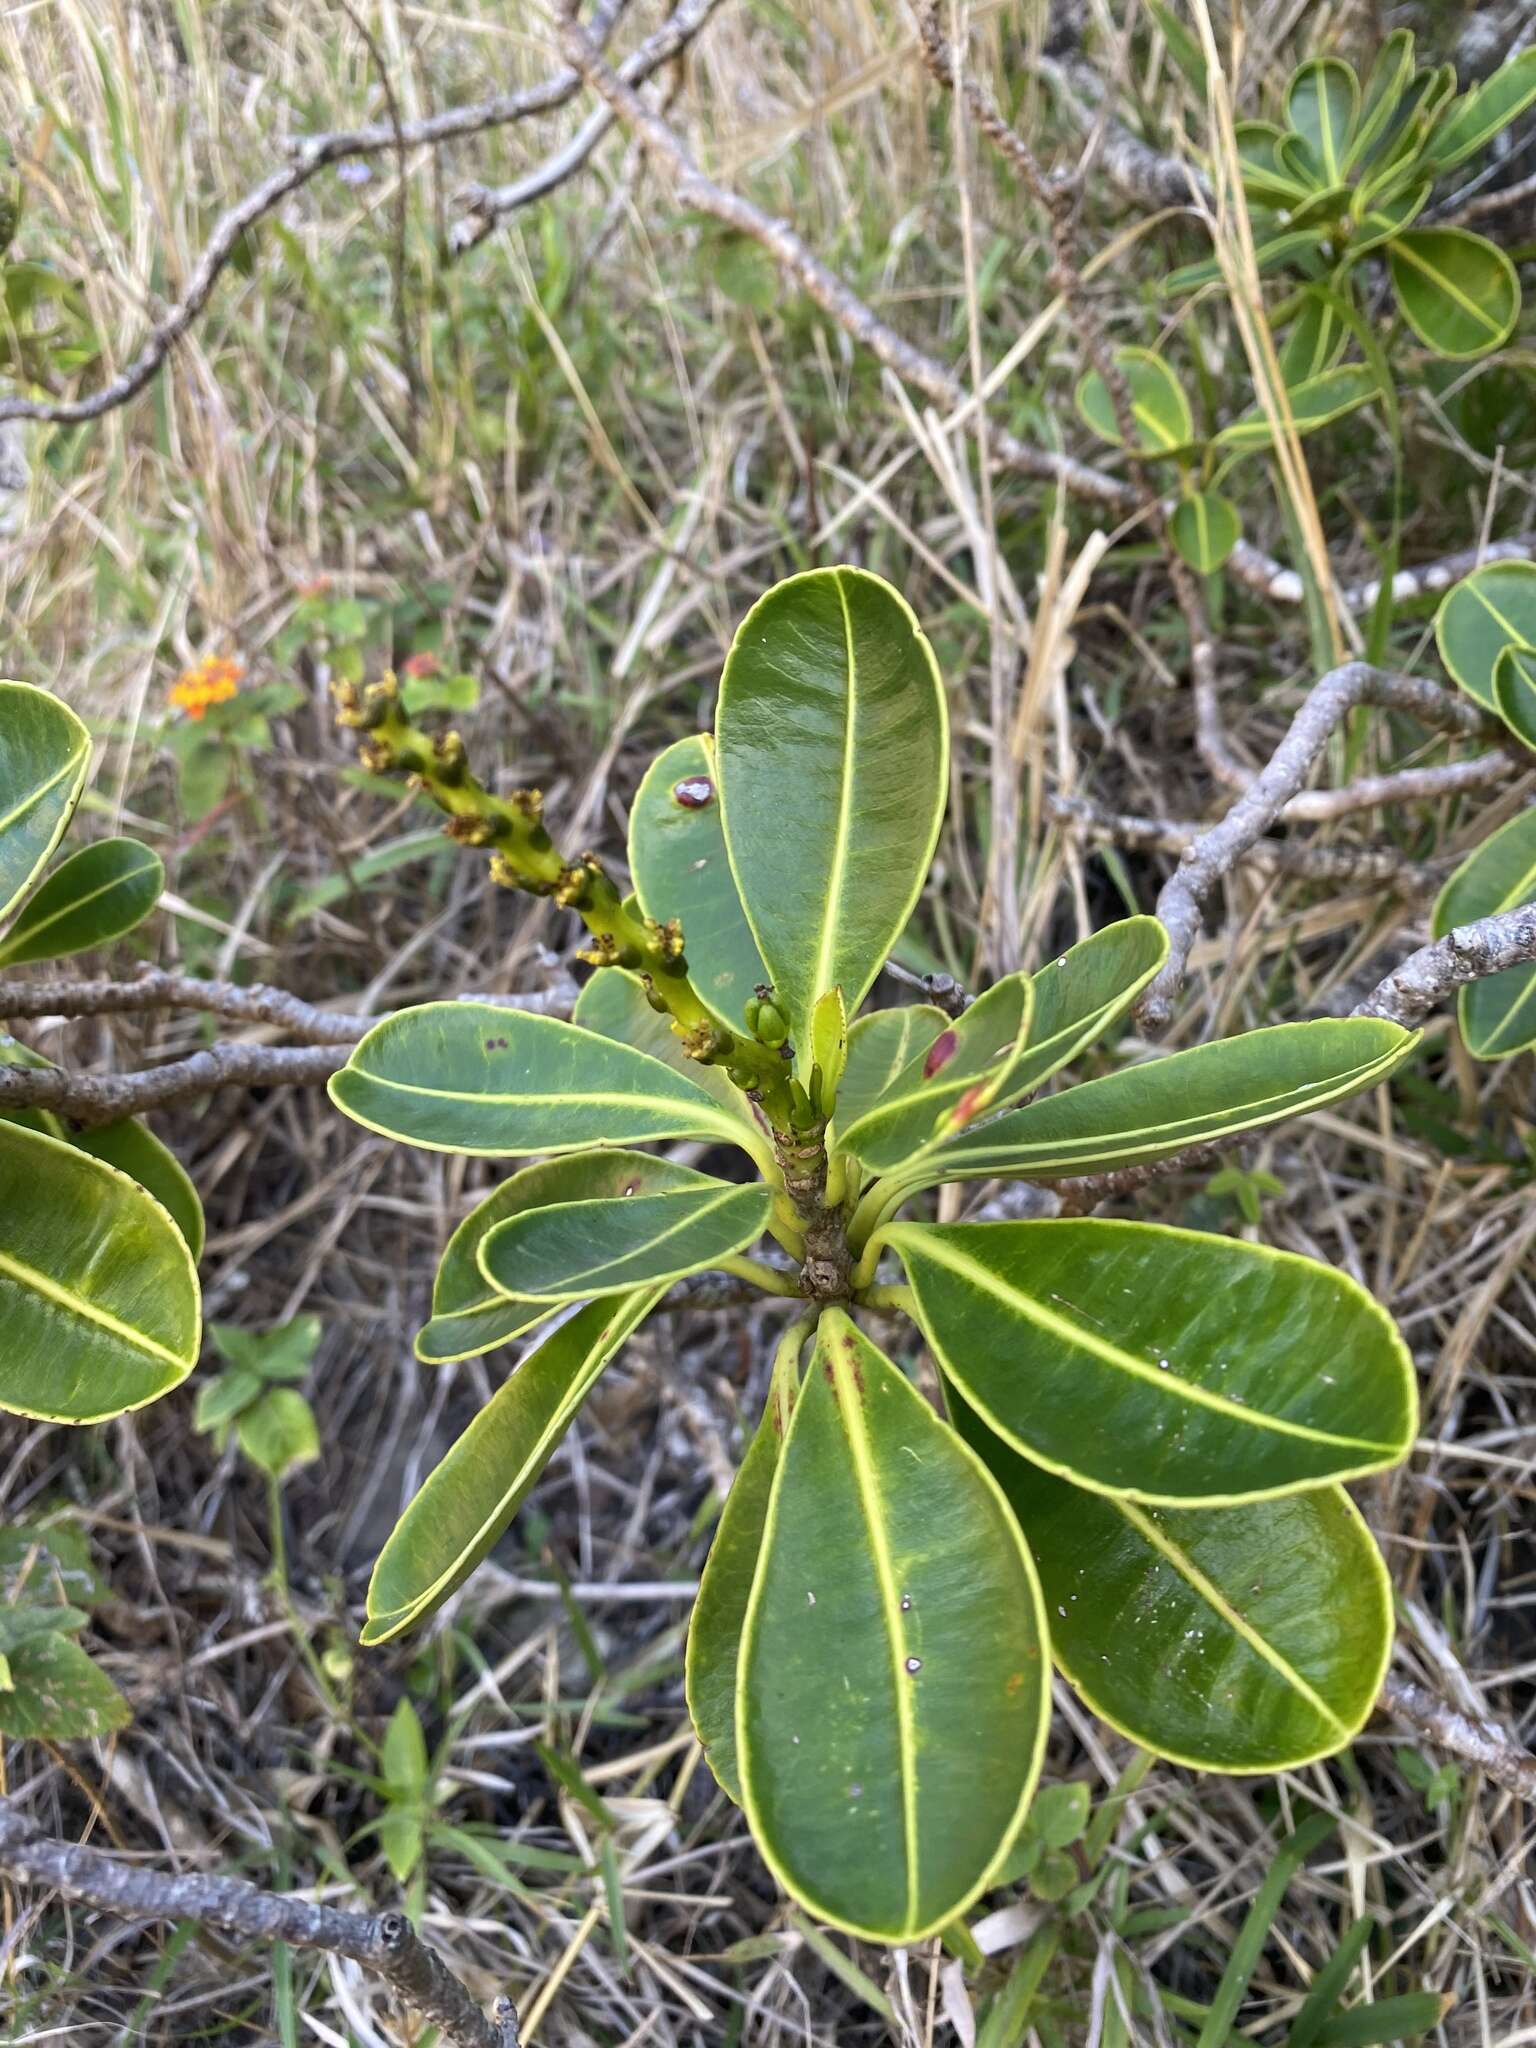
x: 215, y: 679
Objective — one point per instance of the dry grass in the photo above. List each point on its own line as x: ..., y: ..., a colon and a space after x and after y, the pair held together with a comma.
x: 580, y: 457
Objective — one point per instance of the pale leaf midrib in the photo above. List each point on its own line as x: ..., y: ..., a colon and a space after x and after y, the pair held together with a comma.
x: 576, y: 1282
x: 822, y: 976
x: 88, y: 1312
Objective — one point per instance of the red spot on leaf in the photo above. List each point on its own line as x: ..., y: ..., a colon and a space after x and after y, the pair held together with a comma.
x: 940, y: 1053
x: 971, y: 1101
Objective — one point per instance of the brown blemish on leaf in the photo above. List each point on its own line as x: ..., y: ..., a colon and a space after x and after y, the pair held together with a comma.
x: 694, y: 792
x: 940, y: 1053
x: 971, y: 1101
x: 1014, y: 1684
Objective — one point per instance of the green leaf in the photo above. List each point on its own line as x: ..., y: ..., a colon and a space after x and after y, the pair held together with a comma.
x: 135, y: 1150
x: 98, y: 1293
x: 448, y: 692
x: 470, y: 1316
x: 613, y: 1005
x: 1315, y: 339
x: 403, y: 1761
x: 1268, y: 1626
x: 1271, y: 254
x: 1384, y: 88
x: 1498, y: 1014
x: 569, y: 1251
x: 1158, y: 404
x: 1382, y: 217
x: 467, y: 1501
x: 278, y: 1433
x: 1202, y: 1096
x: 473, y: 1077
x: 56, y: 1694
x: 1458, y: 292
x: 1059, y: 1815
x: 1205, y: 528
x: 1321, y: 103
x: 966, y: 1068
x: 96, y: 895
x: 1266, y: 180
x: 24, y: 1624
x: 1387, y: 2021
x: 1314, y: 403
x: 44, y: 754
x: 221, y: 1399
x: 1163, y: 1364
x: 832, y: 740
x: 829, y: 1044
x: 720, y: 1612
x: 400, y: 1829
x: 1514, y: 691
x: 1471, y: 122
x: 1081, y: 994
x: 1493, y: 608
x: 284, y: 1352
x: 678, y: 860
x: 894, y: 1665
x: 879, y: 1047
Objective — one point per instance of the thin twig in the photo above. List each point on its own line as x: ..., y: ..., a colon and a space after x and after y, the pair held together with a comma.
x: 1217, y: 852
x: 1469, y: 953
x: 1169, y: 835
x: 89, y: 1099
x: 1483, y: 1743
x: 384, y: 1943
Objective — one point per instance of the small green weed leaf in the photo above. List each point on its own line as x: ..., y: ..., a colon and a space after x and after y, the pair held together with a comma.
x: 56, y: 1694
x: 401, y: 1832
x: 1163, y: 1364
x: 1200, y: 1096
x: 1498, y: 1014
x: 1493, y: 608
x: 1458, y: 292
x: 1321, y: 103
x: 1268, y: 1625
x: 98, y: 1293
x: 879, y: 1047
x: 403, y: 1761
x: 894, y: 1692
x: 135, y: 1150
x: 832, y: 743
x: 94, y: 896
x: 1059, y: 1815
x: 678, y: 859
x: 1164, y: 422
x: 613, y: 1005
x: 1471, y: 122
x: 435, y: 692
x: 469, y: 1316
x: 222, y: 1398
x: 744, y: 272
x: 569, y: 1251
x: 473, y: 1077
x: 277, y: 1432
x: 1388, y: 80
x: 964, y: 1070
x: 467, y: 1501
x: 1205, y: 528
x: 1514, y: 691
x: 44, y: 754
x: 285, y: 1352
x: 720, y: 1612
x: 1314, y: 403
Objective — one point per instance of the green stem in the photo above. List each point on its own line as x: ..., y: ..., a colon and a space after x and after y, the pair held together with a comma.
x: 902, y: 1298
x: 767, y: 1277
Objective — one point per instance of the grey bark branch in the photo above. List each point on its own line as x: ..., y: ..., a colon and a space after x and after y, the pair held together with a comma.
x: 1469, y: 953
x: 1479, y: 1742
x: 1169, y: 835
x: 384, y: 1943
x: 1217, y: 852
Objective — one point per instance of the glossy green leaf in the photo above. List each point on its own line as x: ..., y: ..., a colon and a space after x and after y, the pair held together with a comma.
x: 1164, y: 423
x: 1386, y: 218
x: 677, y: 857
x: 1165, y: 1364
x: 1205, y: 528
x: 473, y: 1077
x: 895, y: 1682
x: 1202, y: 1096
x: 1472, y: 121
x: 469, y: 1316
x: 1514, y: 692
x: 95, y: 896
x: 1315, y: 339
x: 1081, y: 994
x: 829, y: 1043
x: 1321, y: 103
x: 98, y: 1293
x: 567, y: 1251
x: 44, y: 754
x: 1388, y: 80
x: 1493, y: 608
x: 56, y: 1694
x: 1314, y: 403
x: 832, y: 742
x: 613, y: 1005
x: 1459, y: 293
x: 1249, y: 1638
x: 879, y: 1047
x: 1498, y: 1014
x: 720, y: 1611
x: 467, y: 1501
x: 966, y: 1068
x: 1273, y: 253
x: 135, y: 1150
x: 1402, y: 138
x: 277, y: 1433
